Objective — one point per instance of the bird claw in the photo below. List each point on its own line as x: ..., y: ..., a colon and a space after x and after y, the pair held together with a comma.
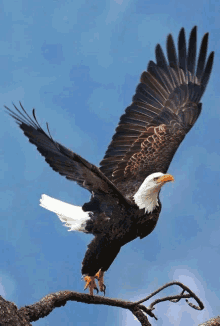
x: 90, y: 283
x: 103, y: 289
x: 100, y: 277
x: 97, y: 290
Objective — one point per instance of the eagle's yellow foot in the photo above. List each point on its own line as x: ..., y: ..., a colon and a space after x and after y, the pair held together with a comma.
x: 90, y: 283
x: 100, y: 278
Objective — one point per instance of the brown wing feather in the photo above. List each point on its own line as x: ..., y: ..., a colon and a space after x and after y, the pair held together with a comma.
x: 159, y: 145
x: 164, y: 108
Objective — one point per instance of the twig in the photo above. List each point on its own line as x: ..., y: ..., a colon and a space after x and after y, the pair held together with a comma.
x: 175, y: 298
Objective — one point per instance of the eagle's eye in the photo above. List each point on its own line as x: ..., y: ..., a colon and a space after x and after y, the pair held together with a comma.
x: 155, y: 178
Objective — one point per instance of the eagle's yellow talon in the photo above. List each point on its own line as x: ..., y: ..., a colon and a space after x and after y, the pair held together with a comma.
x: 90, y: 283
x: 100, y: 277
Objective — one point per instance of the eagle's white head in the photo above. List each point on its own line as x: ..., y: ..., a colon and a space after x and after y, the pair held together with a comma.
x: 147, y: 195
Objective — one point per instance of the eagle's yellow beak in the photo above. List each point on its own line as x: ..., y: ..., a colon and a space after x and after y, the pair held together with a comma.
x: 165, y: 178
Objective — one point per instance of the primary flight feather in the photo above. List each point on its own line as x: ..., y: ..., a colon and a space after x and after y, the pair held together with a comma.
x: 124, y: 201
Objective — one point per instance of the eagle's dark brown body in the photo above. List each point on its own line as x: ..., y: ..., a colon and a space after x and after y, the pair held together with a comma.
x: 113, y: 233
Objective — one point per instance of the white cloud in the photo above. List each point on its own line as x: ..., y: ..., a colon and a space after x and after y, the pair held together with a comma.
x: 7, y: 285
x: 2, y: 290
x: 180, y: 313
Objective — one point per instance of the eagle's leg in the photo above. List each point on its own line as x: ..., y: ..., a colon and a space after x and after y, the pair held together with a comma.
x: 90, y: 283
x: 100, y: 278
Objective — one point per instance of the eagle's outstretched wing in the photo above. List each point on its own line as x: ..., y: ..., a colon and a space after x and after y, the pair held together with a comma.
x: 164, y: 108
x: 64, y: 161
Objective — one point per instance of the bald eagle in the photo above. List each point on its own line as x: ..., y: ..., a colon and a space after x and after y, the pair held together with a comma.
x: 124, y: 203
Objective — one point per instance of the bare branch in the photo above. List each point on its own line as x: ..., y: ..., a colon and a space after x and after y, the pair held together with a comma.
x: 58, y: 299
x: 140, y: 316
x: 47, y: 304
x: 54, y: 300
x: 175, y: 298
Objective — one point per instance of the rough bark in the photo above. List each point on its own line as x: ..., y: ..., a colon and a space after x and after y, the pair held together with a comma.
x: 10, y: 314
x: 212, y: 322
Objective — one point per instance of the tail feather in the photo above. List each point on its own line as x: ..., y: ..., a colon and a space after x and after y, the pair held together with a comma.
x: 73, y: 216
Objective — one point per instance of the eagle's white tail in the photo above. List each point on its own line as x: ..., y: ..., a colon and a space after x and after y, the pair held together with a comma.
x: 73, y: 216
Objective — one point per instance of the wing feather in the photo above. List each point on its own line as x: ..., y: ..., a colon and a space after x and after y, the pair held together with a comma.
x: 207, y: 72
x: 63, y: 160
x: 202, y: 56
x: 171, y: 52
x: 182, y: 51
x: 191, y: 58
x: 164, y: 108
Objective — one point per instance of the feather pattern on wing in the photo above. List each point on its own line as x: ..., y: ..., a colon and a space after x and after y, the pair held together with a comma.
x: 164, y: 108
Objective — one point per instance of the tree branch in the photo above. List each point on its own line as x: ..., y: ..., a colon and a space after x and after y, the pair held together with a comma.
x: 212, y: 322
x: 11, y: 315
x: 175, y: 298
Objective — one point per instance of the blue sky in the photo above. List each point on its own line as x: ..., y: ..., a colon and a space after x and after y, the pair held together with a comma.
x: 78, y: 63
